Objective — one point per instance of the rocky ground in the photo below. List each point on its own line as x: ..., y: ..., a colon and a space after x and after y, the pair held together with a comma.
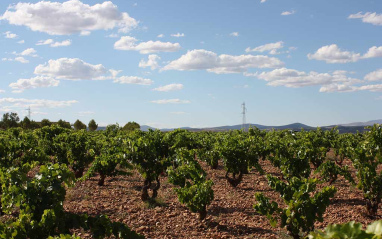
x: 230, y: 215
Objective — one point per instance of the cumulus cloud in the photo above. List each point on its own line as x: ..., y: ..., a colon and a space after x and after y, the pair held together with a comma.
x: 85, y: 33
x: 333, y: 54
x: 20, y: 59
x: 63, y: 43
x: 32, y: 83
x: 221, y: 64
x: 293, y: 78
x: 52, y: 43
x: 9, y: 35
x: 347, y: 88
x: 178, y: 35
x: 170, y: 87
x: 69, y: 17
x: 272, y: 48
x: 49, y: 74
x: 374, y: 76
x: 21, y: 42
x: 368, y: 17
x: 152, y: 62
x: 29, y: 52
x: 286, y: 13
x: 35, y: 103
x: 2, y: 91
x: 171, y: 101
x: 337, y: 81
x: 335, y: 87
x: 45, y: 42
x: 113, y: 35
x: 133, y: 80
x: 373, y: 52
x: 373, y: 88
x: 160, y: 36
x: 128, y: 43
x: 234, y: 34
x: 70, y: 69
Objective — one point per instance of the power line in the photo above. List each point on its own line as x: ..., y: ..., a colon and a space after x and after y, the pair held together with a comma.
x: 29, y: 112
x: 244, y: 118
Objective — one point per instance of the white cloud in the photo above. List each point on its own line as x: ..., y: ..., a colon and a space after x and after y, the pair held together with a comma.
x: 32, y: 83
x: 374, y: 76
x: 45, y: 42
x: 373, y: 88
x: 293, y: 78
x: 368, y: 17
x: 171, y: 101
x: 160, y: 36
x: 63, y: 43
x: 152, y: 62
x: 35, y: 103
x: 333, y: 54
x: 2, y: 91
x: 133, y: 80
x: 128, y: 43
x: 9, y: 34
x: 113, y: 35
x: 29, y: 52
x: 85, y: 33
x: 69, y: 17
x: 286, y: 13
x: 52, y: 43
x: 234, y: 34
x: 263, y: 1
x: 170, y: 87
x: 21, y: 59
x: 178, y: 35
x: 77, y: 69
x: 272, y: 48
x: 222, y: 64
x: 335, y: 87
x: 70, y: 69
x: 21, y: 42
x: 373, y: 52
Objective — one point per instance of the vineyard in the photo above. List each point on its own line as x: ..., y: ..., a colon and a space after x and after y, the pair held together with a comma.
x: 116, y: 183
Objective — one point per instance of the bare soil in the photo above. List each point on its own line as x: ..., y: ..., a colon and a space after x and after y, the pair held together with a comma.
x: 230, y: 215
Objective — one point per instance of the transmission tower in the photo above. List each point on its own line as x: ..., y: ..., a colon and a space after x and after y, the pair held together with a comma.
x: 243, y: 113
x: 29, y: 112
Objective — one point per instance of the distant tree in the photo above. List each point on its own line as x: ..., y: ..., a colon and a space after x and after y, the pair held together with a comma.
x: 64, y: 124
x: 26, y: 123
x: 45, y: 122
x: 92, y: 125
x: 131, y: 126
x: 10, y: 120
x: 78, y: 125
x: 35, y: 125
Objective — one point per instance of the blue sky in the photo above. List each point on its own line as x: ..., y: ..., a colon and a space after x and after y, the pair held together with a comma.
x: 192, y: 63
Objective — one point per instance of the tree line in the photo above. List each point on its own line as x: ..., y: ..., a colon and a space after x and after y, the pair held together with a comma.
x: 12, y: 120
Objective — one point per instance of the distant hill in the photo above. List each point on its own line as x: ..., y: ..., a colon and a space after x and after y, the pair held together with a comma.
x: 368, y: 123
x: 343, y: 128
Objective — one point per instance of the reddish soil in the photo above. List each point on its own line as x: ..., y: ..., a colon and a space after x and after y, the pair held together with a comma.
x: 231, y: 214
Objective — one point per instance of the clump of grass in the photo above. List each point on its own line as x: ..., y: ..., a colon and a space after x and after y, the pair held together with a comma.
x: 155, y: 202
